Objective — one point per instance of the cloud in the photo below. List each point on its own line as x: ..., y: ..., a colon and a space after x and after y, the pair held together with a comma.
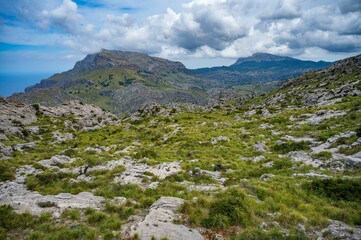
x: 64, y: 17
x: 285, y: 9
x: 347, y: 6
x: 198, y: 28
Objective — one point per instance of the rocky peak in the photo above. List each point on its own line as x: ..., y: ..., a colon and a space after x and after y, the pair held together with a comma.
x: 130, y: 60
x: 347, y: 65
x: 262, y: 57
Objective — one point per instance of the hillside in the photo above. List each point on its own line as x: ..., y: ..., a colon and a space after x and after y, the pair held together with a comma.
x: 259, y: 68
x: 283, y: 166
x: 120, y: 82
x: 124, y: 82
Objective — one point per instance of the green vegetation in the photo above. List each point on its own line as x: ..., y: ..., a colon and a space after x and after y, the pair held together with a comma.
x: 249, y: 194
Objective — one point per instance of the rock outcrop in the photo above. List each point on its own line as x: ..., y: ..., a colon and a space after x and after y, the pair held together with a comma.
x: 159, y: 223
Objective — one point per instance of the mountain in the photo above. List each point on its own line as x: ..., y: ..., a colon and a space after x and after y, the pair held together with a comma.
x: 259, y: 68
x: 123, y: 82
x: 286, y: 165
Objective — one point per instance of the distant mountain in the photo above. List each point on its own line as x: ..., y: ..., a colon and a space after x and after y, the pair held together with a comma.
x: 259, y: 68
x: 123, y: 82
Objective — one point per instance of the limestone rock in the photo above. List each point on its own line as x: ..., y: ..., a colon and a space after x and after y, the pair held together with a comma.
x: 302, y: 156
x: 158, y: 223
x: 260, y: 147
x: 62, y: 137
x: 6, y: 150
x: 22, y: 147
x: 340, y: 230
x: 56, y: 160
x: 266, y: 113
x: 250, y: 113
x: 15, y: 194
x: 219, y: 139
x: 354, y: 161
x: 312, y: 174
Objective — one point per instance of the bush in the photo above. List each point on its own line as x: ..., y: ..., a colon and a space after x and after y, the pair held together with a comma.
x: 47, y: 204
x: 358, y: 132
x: 146, y: 153
x: 10, y: 220
x: 291, y: 146
x: 336, y: 189
x: 228, y: 209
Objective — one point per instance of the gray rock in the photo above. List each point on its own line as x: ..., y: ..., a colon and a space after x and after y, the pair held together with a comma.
x: 311, y: 174
x: 56, y: 160
x: 158, y: 223
x: 6, y: 150
x: 266, y: 113
x: 22, y: 147
x: 302, y: 156
x: 269, y: 164
x: 265, y: 126
x: 3, y: 137
x: 219, y: 139
x: 250, y: 113
x: 135, y: 171
x: 260, y: 147
x: 258, y: 158
x: 62, y: 137
x: 266, y: 177
x: 33, y: 129
x: 354, y: 161
x: 15, y: 194
x: 320, y: 116
x: 340, y: 230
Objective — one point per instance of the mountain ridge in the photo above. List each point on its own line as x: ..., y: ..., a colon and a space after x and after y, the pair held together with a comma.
x: 114, y: 79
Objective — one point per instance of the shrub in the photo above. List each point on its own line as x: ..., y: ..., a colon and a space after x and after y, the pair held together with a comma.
x: 323, y: 155
x: 228, y: 209
x: 7, y: 173
x: 336, y: 189
x: 96, y: 218
x: 70, y: 152
x: 358, y: 131
x: 10, y: 220
x: 146, y: 153
x: 291, y: 146
x: 47, y: 204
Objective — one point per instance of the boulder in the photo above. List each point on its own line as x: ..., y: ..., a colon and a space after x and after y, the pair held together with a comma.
x: 354, y: 161
x: 260, y: 147
x: 158, y: 223
x: 340, y: 230
x: 6, y: 151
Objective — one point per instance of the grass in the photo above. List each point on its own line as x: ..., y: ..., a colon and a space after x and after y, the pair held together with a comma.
x: 235, y: 211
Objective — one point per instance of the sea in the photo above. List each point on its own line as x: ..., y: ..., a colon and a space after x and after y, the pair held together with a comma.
x: 16, y: 82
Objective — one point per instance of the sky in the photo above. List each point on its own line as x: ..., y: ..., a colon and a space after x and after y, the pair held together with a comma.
x: 50, y: 36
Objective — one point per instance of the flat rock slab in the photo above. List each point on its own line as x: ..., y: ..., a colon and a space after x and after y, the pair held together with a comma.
x: 158, y: 223
x: 15, y: 194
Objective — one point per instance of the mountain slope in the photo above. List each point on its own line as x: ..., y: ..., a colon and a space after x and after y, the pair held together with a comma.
x: 283, y: 166
x: 259, y: 68
x: 123, y: 82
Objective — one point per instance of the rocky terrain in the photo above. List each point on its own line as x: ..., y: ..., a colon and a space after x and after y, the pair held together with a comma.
x: 286, y: 165
x: 123, y: 82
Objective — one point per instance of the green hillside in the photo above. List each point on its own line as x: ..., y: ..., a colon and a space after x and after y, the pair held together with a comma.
x: 286, y: 165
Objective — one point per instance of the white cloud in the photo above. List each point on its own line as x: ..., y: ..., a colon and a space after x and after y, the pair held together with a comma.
x: 198, y: 28
x: 64, y: 17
